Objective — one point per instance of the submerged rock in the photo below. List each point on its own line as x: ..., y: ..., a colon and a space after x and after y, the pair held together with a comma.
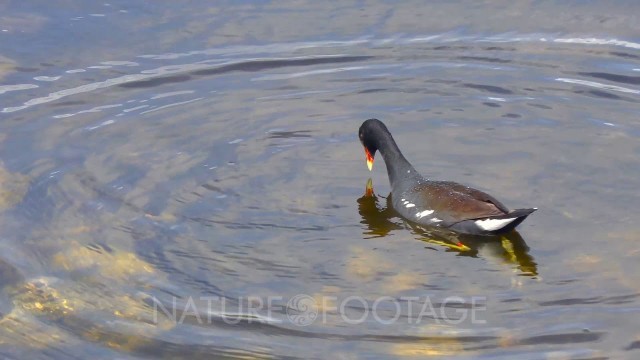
x: 13, y: 187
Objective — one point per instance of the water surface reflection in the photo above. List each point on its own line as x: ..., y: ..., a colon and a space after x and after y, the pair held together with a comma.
x: 185, y: 149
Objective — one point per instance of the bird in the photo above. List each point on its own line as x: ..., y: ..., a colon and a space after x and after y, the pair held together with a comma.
x: 435, y: 203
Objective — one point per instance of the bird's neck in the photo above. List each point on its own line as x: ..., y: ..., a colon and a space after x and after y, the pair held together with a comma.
x: 397, y: 165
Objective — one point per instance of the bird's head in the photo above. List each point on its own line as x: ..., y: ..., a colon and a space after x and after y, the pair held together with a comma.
x: 369, y: 134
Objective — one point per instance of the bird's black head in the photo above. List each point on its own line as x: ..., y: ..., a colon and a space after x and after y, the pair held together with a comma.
x: 370, y: 133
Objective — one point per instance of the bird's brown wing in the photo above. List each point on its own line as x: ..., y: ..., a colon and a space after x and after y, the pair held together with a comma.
x: 477, y: 195
x: 454, y: 202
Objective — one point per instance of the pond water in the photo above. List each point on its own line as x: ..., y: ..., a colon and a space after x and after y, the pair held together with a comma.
x: 183, y: 179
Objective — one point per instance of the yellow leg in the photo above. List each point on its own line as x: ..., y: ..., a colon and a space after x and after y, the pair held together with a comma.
x: 459, y: 246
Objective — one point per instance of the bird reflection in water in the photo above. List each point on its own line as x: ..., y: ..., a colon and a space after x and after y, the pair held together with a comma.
x: 380, y: 219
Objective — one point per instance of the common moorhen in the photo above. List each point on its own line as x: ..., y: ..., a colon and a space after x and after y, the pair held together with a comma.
x: 436, y: 203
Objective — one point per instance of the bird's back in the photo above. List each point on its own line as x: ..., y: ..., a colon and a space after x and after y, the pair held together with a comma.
x: 443, y: 203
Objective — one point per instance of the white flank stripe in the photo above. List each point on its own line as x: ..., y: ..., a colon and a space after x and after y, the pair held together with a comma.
x: 436, y: 220
x: 410, y: 205
x: 422, y: 214
x: 493, y: 224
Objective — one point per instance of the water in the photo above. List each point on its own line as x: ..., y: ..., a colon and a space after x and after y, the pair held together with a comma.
x: 174, y: 174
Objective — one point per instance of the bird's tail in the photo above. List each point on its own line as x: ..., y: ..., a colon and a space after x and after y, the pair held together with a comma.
x: 504, y: 223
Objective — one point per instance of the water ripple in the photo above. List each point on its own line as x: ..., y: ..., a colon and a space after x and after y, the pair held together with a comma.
x: 598, y: 85
x: 180, y: 73
x: 625, y: 79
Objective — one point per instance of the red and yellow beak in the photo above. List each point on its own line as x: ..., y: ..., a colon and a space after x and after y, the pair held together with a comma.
x: 369, y: 159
